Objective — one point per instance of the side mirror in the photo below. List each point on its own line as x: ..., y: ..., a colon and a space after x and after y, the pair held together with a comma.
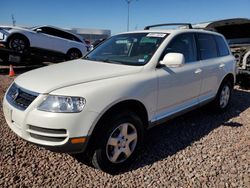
x: 173, y: 60
x: 38, y: 30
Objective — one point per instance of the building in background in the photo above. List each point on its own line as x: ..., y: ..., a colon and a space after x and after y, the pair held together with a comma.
x: 91, y: 34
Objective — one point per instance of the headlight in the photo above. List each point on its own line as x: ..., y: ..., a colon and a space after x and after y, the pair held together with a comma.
x: 1, y: 35
x: 62, y: 104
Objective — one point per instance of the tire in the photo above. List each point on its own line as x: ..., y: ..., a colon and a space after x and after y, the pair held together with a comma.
x: 18, y: 43
x: 223, y: 97
x: 119, y: 142
x: 73, y: 54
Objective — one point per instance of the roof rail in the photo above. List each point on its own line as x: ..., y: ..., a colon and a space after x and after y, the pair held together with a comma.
x: 188, y: 25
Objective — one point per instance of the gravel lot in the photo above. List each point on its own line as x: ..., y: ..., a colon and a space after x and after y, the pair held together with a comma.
x: 199, y: 149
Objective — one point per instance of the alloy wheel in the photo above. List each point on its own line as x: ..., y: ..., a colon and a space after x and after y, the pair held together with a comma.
x: 18, y: 45
x: 224, y: 97
x: 121, y: 143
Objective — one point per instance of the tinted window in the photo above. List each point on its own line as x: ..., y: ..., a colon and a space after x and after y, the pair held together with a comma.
x: 45, y: 30
x: 66, y: 35
x: 184, y: 44
x: 58, y: 33
x: 51, y: 31
x: 207, y: 46
x: 74, y: 38
x: 222, y: 47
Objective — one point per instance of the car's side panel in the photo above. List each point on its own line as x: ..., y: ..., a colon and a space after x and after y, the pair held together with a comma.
x: 178, y: 89
x: 103, y: 94
x: 211, y: 74
x: 45, y: 41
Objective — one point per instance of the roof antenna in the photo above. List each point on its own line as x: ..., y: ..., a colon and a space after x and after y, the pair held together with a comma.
x: 13, y: 20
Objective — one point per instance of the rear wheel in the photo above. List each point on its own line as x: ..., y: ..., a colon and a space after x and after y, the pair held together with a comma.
x: 223, y: 96
x: 119, y: 143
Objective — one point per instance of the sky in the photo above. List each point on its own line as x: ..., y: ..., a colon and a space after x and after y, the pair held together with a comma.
x: 112, y: 14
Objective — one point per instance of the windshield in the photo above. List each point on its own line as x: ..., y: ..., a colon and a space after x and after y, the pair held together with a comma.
x: 129, y: 49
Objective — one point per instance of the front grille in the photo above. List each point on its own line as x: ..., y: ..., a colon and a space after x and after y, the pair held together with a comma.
x: 19, y: 97
x: 45, y: 134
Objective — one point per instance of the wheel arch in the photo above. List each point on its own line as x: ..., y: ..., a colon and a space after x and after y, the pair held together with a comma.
x: 20, y: 35
x: 74, y: 49
x: 230, y: 78
x: 133, y: 105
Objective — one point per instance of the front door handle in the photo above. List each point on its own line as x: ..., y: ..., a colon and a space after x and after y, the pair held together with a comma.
x: 222, y: 66
x: 197, y: 71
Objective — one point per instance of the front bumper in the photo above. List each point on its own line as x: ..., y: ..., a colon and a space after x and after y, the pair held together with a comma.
x: 68, y: 147
x: 53, y: 131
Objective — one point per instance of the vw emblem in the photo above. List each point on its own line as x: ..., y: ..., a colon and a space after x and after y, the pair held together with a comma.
x: 15, y: 94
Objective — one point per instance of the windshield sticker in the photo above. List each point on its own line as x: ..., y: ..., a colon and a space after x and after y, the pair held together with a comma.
x: 160, y: 35
x: 141, y: 60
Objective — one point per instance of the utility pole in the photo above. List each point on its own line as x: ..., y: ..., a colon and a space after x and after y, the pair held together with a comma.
x: 13, y: 20
x: 128, y: 2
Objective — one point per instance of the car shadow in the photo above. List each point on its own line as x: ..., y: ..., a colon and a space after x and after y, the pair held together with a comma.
x: 175, y: 135
x: 169, y: 138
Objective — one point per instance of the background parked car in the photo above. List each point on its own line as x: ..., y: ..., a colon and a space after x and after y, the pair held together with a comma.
x: 98, y: 42
x: 45, y: 39
x: 237, y: 33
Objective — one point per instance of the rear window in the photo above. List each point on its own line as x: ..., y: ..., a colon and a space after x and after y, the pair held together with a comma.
x: 222, y: 46
x: 207, y: 46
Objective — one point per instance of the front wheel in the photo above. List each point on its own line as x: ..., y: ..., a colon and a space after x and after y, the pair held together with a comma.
x: 122, y: 137
x: 18, y: 44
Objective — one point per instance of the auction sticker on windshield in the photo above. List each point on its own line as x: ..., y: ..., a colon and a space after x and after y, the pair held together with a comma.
x: 161, y: 35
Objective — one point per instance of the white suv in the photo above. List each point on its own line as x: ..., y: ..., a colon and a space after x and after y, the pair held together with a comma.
x: 103, y: 104
x: 47, y: 39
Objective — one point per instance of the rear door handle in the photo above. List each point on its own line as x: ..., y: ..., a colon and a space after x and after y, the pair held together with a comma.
x: 222, y: 65
x: 197, y: 71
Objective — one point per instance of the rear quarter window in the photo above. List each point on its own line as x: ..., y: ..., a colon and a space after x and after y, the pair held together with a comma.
x: 207, y: 46
x: 222, y: 46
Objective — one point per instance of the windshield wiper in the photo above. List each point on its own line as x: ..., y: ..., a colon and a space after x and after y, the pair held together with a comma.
x: 110, y: 61
x: 105, y: 60
x: 90, y: 59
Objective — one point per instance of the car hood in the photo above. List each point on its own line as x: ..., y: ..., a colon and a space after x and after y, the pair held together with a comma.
x: 50, y: 78
x: 14, y: 27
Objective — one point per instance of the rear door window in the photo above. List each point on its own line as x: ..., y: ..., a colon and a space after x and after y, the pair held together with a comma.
x: 222, y: 46
x: 207, y: 46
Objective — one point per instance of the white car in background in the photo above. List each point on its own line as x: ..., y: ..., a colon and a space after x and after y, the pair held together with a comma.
x: 45, y: 39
